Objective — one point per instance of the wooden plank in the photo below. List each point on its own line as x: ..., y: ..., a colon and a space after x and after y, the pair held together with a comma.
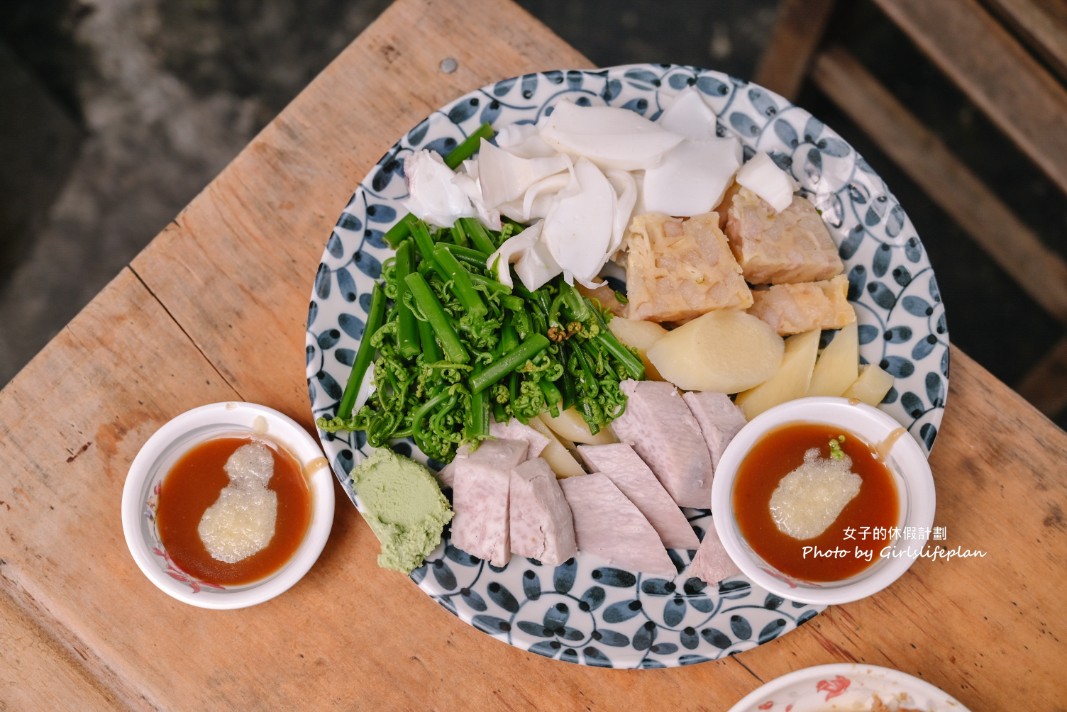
x: 962, y: 623
x: 37, y: 672
x: 1043, y: 26
x: 926, y: 159
x: 995, y: 71
x: 94, y: 395
x: 798, y: 30
x: 1045, y: 386
x: 264, y: 224
x: 325, y: 643
x: 352, y: 635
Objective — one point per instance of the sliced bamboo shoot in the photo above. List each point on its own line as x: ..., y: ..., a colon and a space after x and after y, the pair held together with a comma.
x: 837, y: 367
x: 871, y: 386
x: 790, y: 382
x: 558, y: 457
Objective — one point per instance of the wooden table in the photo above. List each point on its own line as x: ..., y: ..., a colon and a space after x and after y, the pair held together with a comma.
x: 214, y: 310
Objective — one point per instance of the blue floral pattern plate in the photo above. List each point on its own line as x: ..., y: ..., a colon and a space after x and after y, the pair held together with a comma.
x: 583, y: 611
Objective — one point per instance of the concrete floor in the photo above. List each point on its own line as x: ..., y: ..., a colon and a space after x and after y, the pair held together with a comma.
x: 153, y: 99
x: 117, y: 112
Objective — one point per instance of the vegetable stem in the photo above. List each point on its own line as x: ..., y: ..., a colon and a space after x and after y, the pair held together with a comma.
x: 425, y: 243
x: 631, y: 362
x: 407, y: 332
x: 473, y: 257
x: 510, y: 301
x: 567, y: 389
x: 478, y: 424
x: 435, y: 314
x: 479, y: 235
x: 469, y: 146
x: 400, y: 230
x: 458, y: 236
x: 510, y: 361
x: 490, y: 285
x: 500, y: 414
x: 431, y: 351
x: 573, y: 302
x: 553, y: 396
x: 509, y: 338
x: 365, y: 352
x: 460, y: 281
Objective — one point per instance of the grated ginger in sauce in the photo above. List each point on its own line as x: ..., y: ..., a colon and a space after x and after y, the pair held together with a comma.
x: 242, y: 520
x: 810, y: 498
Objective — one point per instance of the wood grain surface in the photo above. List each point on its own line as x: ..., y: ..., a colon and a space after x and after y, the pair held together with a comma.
x: 947, y: 180
x: 214, y: 310
x: 977, y: 52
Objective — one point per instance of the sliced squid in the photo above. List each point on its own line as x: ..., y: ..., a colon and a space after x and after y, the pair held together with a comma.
x: 504, y: 176
x: 763, y: 177
x: 692, y: 177
x: 689, y: 116
x: 580, y: 227
x: 610, y: 137
x: 433, y: 193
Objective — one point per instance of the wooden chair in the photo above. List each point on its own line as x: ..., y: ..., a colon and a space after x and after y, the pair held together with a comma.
x: 1009, y: 57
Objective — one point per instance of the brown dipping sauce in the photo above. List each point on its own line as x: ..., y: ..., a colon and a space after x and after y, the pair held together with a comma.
x: 875, y: 509
x: 193, y: 485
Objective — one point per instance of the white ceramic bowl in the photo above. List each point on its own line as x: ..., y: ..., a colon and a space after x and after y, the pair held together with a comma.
x: 846, y: 687
x: 911, y: 475
x: 159, y: 454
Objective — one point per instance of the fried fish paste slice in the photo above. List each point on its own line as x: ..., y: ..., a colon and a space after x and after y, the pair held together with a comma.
x: 779, y: 248
x: 680, y: 268
x: 796, y: 308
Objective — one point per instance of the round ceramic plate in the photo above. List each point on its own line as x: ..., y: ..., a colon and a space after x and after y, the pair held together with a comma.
x: 847, y: 687
x: 582, y: 611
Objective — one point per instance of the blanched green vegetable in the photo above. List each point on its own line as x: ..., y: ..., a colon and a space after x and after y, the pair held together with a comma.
x: 365, y: 353
x: 485, y: 348
x: 464, y: 150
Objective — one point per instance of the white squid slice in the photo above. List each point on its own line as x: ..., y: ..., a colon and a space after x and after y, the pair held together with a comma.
x: 538, y: 199
x: 763, y: 177
x: 579, y: 228
x: 692, y: 177
x: 524, y: 140
x: 536, y: 266
x: 533, y: 263
x: 689, y: 116
x: 433, y: 194
x: 610, y: 137
x: 490, y: 217
x: 510, y: 251
x: 504, y: 176
x: 625, y: 186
